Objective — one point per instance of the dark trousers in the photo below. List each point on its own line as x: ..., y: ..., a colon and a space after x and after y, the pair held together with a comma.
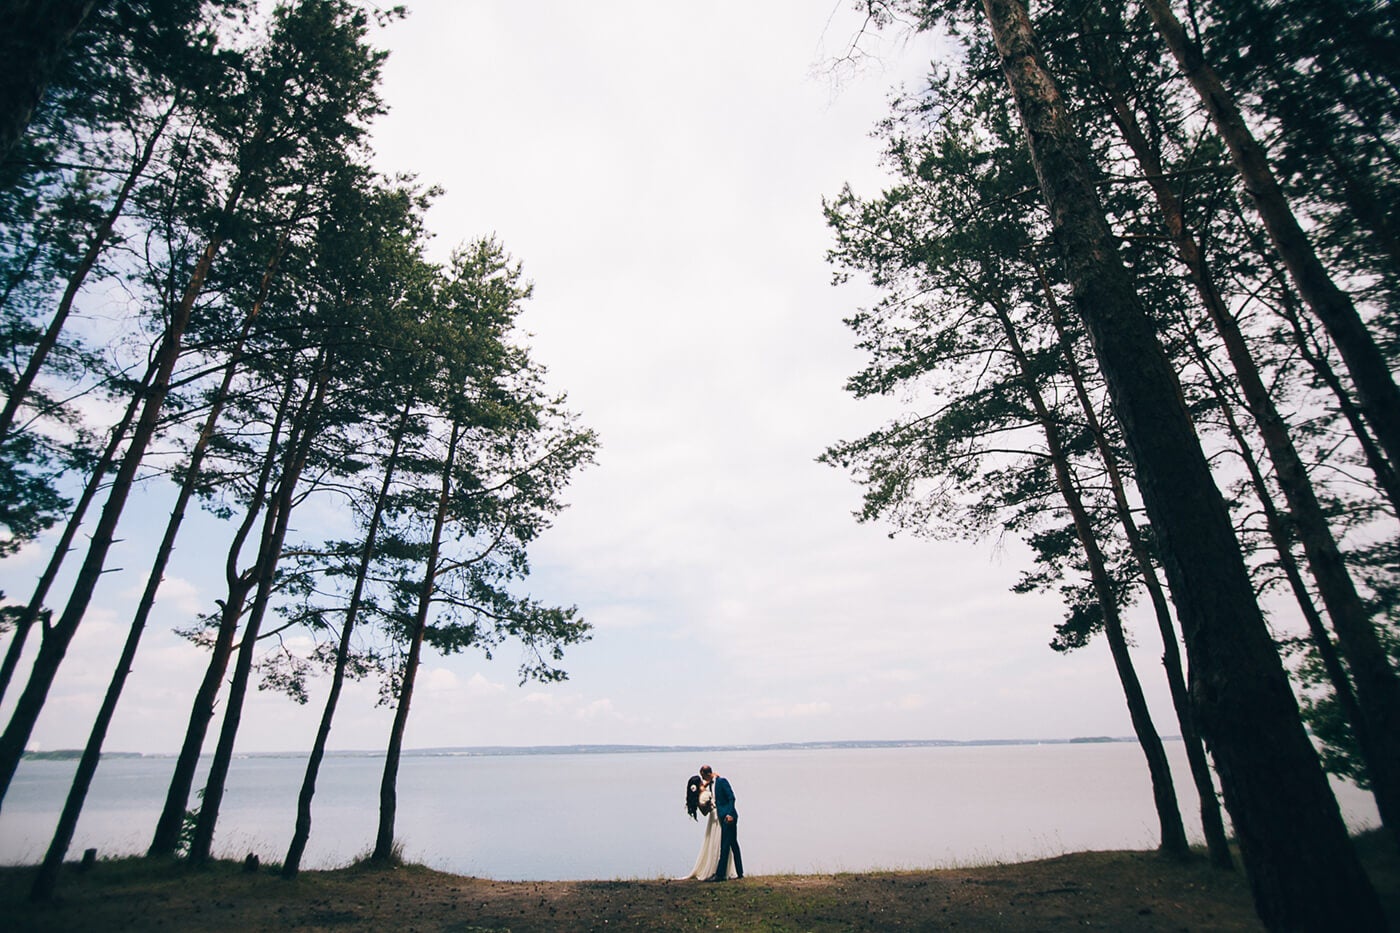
x: 729, y: 842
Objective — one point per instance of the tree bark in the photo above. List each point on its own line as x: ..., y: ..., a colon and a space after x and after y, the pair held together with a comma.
x: 1377, y: 687
x: 299, y: 448
x: 55, y: 643
x: 1303, y: 871
x: 302, y: 831
x: 1212, y: 823
x: 1173, y: 832
x: 166, y: 839
x: 388, y: 785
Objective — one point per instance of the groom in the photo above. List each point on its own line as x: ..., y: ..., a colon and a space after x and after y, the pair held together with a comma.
x: 728, y: 826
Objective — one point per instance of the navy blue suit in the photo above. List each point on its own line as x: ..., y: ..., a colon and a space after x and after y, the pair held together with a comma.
x: 728, y: 830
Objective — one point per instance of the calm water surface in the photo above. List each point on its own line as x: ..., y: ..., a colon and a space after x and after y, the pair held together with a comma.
x: 543, y: 817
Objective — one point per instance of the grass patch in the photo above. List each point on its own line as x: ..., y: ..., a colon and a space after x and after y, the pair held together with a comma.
x: 1138, y: 891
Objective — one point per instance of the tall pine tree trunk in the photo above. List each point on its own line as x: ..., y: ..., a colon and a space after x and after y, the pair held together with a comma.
x: 1302, y: 868
x: 302, y: 830
x: 35, y: 607
x: 1212, y: 823
x: 388, y: 784
x: 166, y: 839
x: 298, y: 449
x: 54, y: 645
x: 1370, y: 373
x: 47, y: 878
x: 1282, y: 539
x: 1378, y: 689
x: 1173, y: 832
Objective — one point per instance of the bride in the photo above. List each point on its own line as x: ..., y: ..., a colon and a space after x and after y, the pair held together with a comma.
x: 699, y: 798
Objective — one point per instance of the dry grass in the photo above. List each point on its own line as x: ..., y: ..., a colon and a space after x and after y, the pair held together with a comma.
x: 1106, y: 890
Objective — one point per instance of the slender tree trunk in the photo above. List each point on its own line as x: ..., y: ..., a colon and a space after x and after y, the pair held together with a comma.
x: 302, y: 832
x: 47, y: 878
x: 1283, y: 547
x: 1173, y: 832
x: 1387, y: 479
x: 388, y: 785
x: 34, y: 34
x: 56, y: 640
x: 35, y: 607
x: 298, y: 449
x: 1370, y: 373
x: 1302, y: 868
x: 96, y: 244
x: 1212, y: 823
x: 1377, y: 687
x: 166, y: 839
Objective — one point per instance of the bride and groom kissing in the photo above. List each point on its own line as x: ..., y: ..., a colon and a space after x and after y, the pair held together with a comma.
x: 710, y: 794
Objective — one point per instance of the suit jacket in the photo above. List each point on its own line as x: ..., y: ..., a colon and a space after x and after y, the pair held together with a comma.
x: 724, y: 800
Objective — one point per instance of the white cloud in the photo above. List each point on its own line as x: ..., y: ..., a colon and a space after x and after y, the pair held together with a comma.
x: 438, y: 680
x: 477, y: 685
x: 911, y: 701
x: 596, y: 709
x: 176, y: 594
x: 792, y: 710
x: 620, y: 616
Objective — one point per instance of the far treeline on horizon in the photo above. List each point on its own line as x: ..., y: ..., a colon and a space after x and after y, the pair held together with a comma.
x: 71, y: 754
x: 1137, y: 269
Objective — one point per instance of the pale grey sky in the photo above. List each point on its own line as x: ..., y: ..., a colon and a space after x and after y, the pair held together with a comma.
x: 658, y: 169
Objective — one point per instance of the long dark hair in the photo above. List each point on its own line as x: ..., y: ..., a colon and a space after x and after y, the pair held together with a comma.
x: 692, y: 795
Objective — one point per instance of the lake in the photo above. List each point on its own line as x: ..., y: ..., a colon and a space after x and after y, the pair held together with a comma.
x: 621, y: 814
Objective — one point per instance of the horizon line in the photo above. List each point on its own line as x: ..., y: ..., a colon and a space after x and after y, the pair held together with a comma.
x: 622, y: 747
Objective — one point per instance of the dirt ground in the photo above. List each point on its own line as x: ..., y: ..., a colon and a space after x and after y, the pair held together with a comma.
x: 1127, y: 891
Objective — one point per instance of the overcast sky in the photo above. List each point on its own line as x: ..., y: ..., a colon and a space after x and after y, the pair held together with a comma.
x: 658, y: 169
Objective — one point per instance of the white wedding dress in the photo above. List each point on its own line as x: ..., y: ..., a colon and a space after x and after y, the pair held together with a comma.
x: 708, y: 860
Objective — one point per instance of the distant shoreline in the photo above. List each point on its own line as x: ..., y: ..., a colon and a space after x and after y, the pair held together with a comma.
x: 483, y: 751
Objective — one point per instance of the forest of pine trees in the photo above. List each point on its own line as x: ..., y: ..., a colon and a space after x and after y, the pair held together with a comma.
x: 272, y: 337
x: 1140, y: 293
x: 1139, y: 268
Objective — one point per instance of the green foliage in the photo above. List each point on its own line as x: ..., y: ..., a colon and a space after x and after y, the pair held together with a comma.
x: 326, y: 361
x: 187, y: 828
x: 62, y: 193
x: 30, y: 500
x: 962, y: 253
x: 959, y: 238
x: 1325, y: 82
x: 492, y: 463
